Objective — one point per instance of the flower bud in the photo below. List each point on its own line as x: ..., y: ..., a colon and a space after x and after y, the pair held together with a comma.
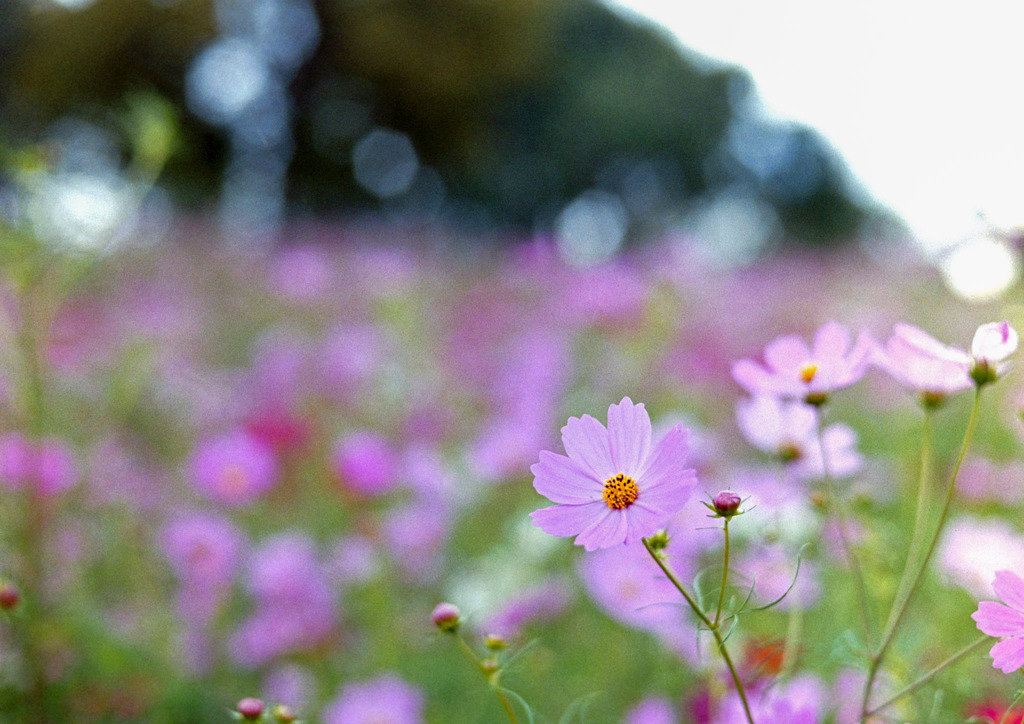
x: 726, y: 503
x: 659, y: 541
x: 993, y: 343
x: 283, y: 714
x: 446, y: 617
x: 489, y: 666
x: 250, y: 709
x: 9, y: 596
x: 494, y: 642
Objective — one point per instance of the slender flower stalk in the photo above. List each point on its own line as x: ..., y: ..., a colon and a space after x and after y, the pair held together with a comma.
x: 725, y: 573
x: 844, y: 537
x: 491, y: 672
x: 659, y: 557
x: 920, y: 515
x: 30, y: 330
x: 911, y: 688
x: 900, y: 606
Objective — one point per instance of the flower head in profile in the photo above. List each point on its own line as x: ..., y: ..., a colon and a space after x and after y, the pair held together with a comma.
x: 613, y: 487
x: 992, y: 344
x: 792, y: 370
x: 1005, y: 619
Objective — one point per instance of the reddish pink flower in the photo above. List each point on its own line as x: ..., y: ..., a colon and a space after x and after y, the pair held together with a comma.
x: 613, y: 487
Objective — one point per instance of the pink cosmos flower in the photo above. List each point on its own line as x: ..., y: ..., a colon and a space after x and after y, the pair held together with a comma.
x: 234, y: 469
x: 47, y: 465
x: 919, y: 361
x: 366, y: 463
x: 1004, y: 619
x: 794, y: 371
x: 652, y: 710
x: 992, y: 344
x: 613, y: 487
x: 787, y: 429
x: 387, y: 698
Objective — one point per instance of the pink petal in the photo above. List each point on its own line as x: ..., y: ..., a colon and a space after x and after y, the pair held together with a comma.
x: 786, y: 354
x: 564, y: 480
x: 669, y: 497
x: 605, y: 531
x: 629, y: 433
x: 565, y: 520
x: 1008, y: 655
x: 1010, y: 589
x: 831, y: 341
x: 643, y: 520
x: 586, y: 441
x: 995, y: 619
x: 667, y: 461
x: 760, y: 420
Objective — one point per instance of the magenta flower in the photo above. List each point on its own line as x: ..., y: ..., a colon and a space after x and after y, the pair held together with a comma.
x: 922, y: 363
x: 366, y: 463
x: 613, y: 487
x: 792, y: 370
x: 1004, y: 619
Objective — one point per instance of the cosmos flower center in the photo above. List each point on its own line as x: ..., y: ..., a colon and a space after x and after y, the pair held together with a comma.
x: 234, y: 479
x: 808, y: 371
x: 620, y: 491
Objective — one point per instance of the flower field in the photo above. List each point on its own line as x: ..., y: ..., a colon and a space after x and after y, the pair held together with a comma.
x: 231, y: 474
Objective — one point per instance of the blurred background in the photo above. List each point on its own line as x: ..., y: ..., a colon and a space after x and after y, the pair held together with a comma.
x: 293, y: 292
x: 494, y: 119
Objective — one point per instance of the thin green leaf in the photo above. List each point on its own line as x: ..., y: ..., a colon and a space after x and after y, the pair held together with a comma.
x: 519, y: 700
x: 777, y: 601
x: 578, y: 707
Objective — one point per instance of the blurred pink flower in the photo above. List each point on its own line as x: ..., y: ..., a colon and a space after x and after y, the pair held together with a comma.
x: 203, y: 548
x: 234, y: 469
x: 294, y: 603
x: 384, y: 699
x: 541, y: 602
x: 366, y: 463
x: 993, y: 342
x: 1005, y: 619
x: 652, y: 710
x: 48, y: 466
x: 787, y: 429
x: 613, y: 487
x: 800, y: 700
x: 973, y: 549
x: 922, y: 363
x: 794, y: 371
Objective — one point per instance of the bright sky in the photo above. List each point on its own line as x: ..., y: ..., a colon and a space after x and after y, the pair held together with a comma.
x: 924, y: 100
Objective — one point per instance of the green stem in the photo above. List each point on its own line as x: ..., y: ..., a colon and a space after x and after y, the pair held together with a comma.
x: 659, y: 558
x: 844, y: 538
x: 34, y: 521
x: 725, y: 574
x: 900, y: 607
x: 909, y: 689
x: 490, y: 675
x: 1017, y: 697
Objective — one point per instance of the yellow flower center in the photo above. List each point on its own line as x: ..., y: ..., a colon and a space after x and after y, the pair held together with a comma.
x: 808, y: 371
x: 620, y: 491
